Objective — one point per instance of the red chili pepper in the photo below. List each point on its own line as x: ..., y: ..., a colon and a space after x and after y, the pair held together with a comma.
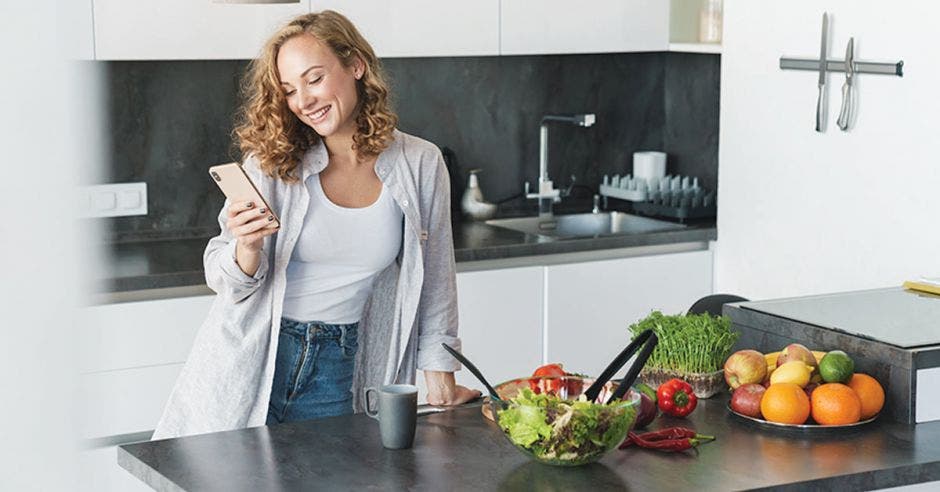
x: 667, y: 445
x: 670, y: 434
x: 675, y: 398
x: 548, y: 386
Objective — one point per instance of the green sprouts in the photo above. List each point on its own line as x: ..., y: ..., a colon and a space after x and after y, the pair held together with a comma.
x: 695, y: 343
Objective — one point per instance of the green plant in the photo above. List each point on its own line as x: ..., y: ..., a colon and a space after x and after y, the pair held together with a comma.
x: 692, y: 343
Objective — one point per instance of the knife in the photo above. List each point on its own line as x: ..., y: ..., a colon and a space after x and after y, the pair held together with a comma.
x: 848, y: 95
x: 823, y: 63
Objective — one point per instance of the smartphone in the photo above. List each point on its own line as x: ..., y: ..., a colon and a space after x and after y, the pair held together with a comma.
x: 238, y: 187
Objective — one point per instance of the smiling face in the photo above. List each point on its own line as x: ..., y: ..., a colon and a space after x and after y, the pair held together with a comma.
x: 318, y: 88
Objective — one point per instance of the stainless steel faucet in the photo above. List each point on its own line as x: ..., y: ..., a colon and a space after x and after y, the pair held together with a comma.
x: 547, y: 194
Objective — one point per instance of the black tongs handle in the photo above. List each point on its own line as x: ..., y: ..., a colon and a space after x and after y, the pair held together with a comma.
x: 473, y: 369
x: 647, y: 337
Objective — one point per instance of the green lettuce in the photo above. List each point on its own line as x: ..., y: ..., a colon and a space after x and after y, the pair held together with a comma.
x: 563, y: 430
x: 526, y: 422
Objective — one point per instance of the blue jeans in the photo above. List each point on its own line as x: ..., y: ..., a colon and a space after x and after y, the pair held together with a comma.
x: 313, y: 371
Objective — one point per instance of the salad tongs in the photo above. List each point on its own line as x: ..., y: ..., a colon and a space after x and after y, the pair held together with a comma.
x: 650, y: 340
x: 473, y: 369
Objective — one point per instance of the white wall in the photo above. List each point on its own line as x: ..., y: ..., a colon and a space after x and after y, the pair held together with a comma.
x: 49, y: 106
x: 802, y: 212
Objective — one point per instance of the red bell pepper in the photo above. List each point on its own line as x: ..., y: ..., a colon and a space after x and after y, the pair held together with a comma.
x: 675, y: 398
x: 548, y: 386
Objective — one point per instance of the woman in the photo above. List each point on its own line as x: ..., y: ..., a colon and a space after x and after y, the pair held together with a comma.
x: 357, y: 286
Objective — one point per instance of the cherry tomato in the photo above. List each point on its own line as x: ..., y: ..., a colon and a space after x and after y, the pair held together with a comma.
x: 539, y: 386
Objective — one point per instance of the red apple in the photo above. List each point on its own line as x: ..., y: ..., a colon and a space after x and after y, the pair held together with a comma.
x: 746, y: 400
x: 745, y: 366
x: 809, y: 389
x: 795, y: 351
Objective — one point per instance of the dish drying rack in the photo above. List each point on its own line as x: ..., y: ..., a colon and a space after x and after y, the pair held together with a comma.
x: 677, y: 197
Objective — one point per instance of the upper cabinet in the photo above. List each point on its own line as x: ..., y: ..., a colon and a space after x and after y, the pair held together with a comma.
x: 591, y: 26
x: 415, y: 28
x: 185, y: 29
x: 209, y: 30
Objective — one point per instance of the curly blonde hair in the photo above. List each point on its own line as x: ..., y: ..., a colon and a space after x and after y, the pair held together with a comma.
x: 269, y: 131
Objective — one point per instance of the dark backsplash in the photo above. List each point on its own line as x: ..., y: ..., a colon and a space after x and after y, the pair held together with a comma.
x: 169, y: 121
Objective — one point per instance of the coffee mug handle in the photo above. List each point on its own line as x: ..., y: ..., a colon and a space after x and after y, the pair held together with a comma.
x: 372, y: 413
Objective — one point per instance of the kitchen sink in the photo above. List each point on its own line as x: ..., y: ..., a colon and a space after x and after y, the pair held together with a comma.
x: 585, y: 225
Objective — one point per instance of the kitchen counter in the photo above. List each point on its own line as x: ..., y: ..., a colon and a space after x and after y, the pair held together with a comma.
x: 460, y: 450
x: 162, y: 263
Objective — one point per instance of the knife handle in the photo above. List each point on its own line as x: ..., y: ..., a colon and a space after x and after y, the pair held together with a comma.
x: 843, y: 120
x: 819, y: 109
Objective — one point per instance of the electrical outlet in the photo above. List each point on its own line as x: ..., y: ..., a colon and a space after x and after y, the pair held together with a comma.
x: 114, y: 200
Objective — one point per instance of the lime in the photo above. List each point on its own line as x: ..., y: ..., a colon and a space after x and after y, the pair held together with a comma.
x: 836, y: 367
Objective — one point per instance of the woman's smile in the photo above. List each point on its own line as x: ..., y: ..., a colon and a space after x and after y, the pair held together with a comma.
x: 319, y: 116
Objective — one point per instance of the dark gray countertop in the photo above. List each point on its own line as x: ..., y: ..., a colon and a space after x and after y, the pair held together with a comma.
x: 459, y: 450
x: 163, y: 263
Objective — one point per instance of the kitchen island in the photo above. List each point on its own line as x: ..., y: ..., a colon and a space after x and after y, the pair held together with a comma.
x: 460, y: 450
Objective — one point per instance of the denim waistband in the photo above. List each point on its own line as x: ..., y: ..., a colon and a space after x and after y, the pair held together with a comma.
x: 318, y: 329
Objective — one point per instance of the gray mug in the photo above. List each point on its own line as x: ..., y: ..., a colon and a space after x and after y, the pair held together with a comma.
x: 397, y: 413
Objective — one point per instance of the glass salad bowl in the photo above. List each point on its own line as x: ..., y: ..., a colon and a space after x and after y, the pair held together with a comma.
x: 548, y: 419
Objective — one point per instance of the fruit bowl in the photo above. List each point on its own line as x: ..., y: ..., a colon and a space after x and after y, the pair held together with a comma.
x: 807, y: 428
x: 548, y: 419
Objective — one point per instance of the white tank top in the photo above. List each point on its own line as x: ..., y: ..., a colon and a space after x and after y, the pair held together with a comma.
x: 339, y: 253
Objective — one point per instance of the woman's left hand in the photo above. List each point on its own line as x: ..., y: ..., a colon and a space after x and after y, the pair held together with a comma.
x: 442, y: 390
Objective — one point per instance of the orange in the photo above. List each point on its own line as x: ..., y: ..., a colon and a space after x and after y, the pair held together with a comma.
x: 785, y: 403
x: 870, y: 392
x: 836, y: 404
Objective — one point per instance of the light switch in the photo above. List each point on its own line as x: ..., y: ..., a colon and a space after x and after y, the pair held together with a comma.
x: 103, y: 201
x: 129, y: 200
x: 114, y: 200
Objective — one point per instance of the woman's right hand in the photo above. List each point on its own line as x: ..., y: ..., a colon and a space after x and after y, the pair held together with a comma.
x: 249, y: 224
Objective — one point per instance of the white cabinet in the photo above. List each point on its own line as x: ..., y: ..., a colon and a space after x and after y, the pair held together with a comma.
x: 130, y: 356
x: 411, y: 28
x: 500, y: 316
x: 185, y: 29
x: 206, y: 30
x: 577, y: 312
x: 590, y: 306
x: 500, y: 322
x: 590, y: 26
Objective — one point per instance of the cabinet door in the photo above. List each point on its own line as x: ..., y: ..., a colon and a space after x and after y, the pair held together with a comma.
x: 130, y: 355
x: 500, y: 324
x: 136, y: 334
x: 185, y: 29
x: 590, y: 26
x: 409, y: 28
x: 591, y: 305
